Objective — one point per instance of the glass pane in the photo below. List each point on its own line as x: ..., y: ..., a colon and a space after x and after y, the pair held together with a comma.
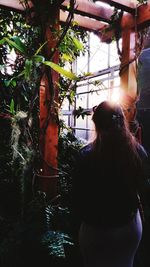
x: 81, y: 123
x: 65, y: 105
x: 81, y: 101
x: 82, y: 64
x: 81, y: 88
x: 81, y: 134
x: 98, y: 54
x: 114, y: 58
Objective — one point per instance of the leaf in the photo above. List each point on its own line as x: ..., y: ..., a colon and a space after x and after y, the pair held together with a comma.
x: 28, y: 68
x: 78, y: 44
x: 17, y: 40
x: 38, y: 58
x: 15, y: 45
x: 67, y: 57
x: 2, y: 41
x: 20, y: 74
x: 40, y: 48
x: 87, y: 74
x: 75, y: 23
x: 7, y: 82
x: 12, y: 82
x: 57, y: 68
x: 12, y: 106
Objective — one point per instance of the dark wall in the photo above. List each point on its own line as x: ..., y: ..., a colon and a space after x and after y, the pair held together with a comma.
x: 144, y: 79
x: 143, y: 105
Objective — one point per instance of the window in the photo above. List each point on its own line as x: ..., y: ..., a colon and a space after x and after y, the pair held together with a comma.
x: 102, y: 63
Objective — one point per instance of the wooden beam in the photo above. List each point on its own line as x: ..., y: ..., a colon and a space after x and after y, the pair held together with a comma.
x: 84, y: 22
x: 128, y: 56
x: 99, y: 13
x: 125, y: 5
x: 89, y: 9
x: 15, y: 4
x: 143, y: 16
x: 48, y: 114
x: 128, y: 96
x: 127, y: 23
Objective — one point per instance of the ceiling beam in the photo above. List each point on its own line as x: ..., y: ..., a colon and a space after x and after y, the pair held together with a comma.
x: 142, y: 19
x: 89, y: 9
x: 125, y: 5
x: 143, y: 16
x: 96, y: 13
x: 84, y: 8
x: 84, y: 22
x: 14, y: 5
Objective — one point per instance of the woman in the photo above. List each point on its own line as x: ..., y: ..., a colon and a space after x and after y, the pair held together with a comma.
x: 107, y: 183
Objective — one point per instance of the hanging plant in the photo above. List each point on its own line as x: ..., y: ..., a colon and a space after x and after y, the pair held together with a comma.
x: 142, y: 1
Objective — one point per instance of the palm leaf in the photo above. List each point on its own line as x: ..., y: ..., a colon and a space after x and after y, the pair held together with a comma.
x: 68, y: 74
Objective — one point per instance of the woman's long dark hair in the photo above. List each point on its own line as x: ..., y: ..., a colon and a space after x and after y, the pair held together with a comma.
x: 114, y: 147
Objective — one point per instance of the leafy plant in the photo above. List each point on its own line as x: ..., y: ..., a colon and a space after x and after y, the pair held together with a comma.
x: 68, y: 148
x: 35, y: 231
x: 81, y: 112
x: 60, y: 70
x: 40, y: 237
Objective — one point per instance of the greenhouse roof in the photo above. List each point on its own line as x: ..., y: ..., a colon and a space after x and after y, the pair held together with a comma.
x: 97, y: 15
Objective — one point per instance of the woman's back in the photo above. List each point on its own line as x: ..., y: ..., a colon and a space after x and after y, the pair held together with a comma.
x: 104, y: 196
x: 109, y: 170
x: 106, y: 184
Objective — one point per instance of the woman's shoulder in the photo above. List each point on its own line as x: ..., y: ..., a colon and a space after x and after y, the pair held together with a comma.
x: 82, y: 153
x: 86, y: 149
x: 142, y: 152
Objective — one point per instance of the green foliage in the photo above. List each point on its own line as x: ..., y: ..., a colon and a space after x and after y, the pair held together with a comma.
x: 12, y: 107
x: 35, y: 231
x: 67, y: 90
x: 16, y: 43
x: 40, y: 237
x: 73, y: 44
x: 20, y: 75
x: 16, y: 35
x: 60, y: 70
x: 68, y: 148
x: 81, y: 112
x: 20, y: 86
